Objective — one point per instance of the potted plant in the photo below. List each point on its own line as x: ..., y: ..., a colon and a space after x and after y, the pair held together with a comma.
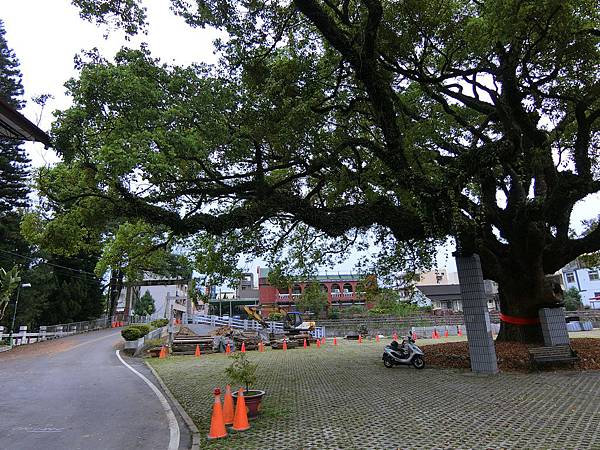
x: 244, y: 372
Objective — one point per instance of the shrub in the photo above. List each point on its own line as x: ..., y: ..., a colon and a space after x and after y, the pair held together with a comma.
x: 144, y: 329
x: 354, y: 309
x: 378, y: 311
x: 242, y: 370
x: 151, y: 343
x: 572, y: 299
x: 333, y: 314
x: 160, y: 323
x: 275, y: 316
x: 131, y: 333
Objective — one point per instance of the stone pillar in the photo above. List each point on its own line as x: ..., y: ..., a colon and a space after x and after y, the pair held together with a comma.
x: 476, y: 314
x: 23, y: 334
x: 554, y: 326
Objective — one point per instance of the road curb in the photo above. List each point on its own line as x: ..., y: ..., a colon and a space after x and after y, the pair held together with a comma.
x: 184, y: 415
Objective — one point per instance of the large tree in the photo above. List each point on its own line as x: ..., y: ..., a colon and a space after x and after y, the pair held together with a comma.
x: 412, y: 121
x: 14, y: 164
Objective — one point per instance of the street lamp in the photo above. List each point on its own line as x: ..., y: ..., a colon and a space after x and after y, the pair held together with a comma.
x: 12, y: 325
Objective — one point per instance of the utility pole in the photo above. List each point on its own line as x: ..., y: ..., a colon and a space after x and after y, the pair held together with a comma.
x: 12, y: 325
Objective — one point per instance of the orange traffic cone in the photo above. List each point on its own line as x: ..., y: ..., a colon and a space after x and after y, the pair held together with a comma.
x: 334, y: 341
x: 377, y: 338
x: 243, y: 347
x: 163, y: 353
x: 446, y: 333
x: 318, y: 343
x: 433, y: 334
x: 217, y: 424
x: 360, y: 338
x: 414, y: 336
x: 459, y: 331
x: 305, y: 346
x: 395, y: 337
x: 240, y: 419
x: 228, y: 406
x: 284, y: 345
x: 437, y: 335
x: 261, y: 347
x: 227, y: 350
x: 197, y: 354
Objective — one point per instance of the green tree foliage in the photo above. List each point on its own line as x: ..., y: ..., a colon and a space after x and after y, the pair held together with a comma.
x: 9, y: 282
x: 572, y: 300
x: 313, y: 299
x: 145, y: 305
x: 14, y: 164
x: 332, y: 123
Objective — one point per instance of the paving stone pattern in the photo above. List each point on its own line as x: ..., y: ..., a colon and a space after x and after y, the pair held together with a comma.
x: 343, y: 398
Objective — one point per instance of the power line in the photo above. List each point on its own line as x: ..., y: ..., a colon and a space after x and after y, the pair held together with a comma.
x: 51, y: 264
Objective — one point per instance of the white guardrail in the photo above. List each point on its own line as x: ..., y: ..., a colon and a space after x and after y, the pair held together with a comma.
x: 23, y: 336
x: 243, y: 324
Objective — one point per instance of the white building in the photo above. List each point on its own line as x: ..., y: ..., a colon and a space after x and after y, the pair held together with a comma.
x: 442, y: 290
x: 586, y: 280
x: 164, y: 291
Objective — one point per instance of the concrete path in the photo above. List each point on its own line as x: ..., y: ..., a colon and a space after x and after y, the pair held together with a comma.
x: 74, y: 393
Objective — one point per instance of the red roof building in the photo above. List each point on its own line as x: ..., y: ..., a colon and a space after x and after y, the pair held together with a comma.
x: 341, y: 289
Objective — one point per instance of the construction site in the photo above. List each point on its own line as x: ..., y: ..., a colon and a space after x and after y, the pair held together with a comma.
x: 294, y: 332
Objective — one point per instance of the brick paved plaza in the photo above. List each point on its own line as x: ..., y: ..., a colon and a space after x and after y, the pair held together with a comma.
x: 344, y: 398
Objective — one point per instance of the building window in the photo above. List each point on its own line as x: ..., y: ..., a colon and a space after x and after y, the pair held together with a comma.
x: 593, y: 275
x: 570, y: 277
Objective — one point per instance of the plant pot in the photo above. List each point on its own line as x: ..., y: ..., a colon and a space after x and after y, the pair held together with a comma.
x: 131, y: 345
x: 253, y: 398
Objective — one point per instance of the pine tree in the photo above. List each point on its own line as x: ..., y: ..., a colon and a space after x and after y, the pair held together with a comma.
x: 145, y: 305
x: 14, y: 164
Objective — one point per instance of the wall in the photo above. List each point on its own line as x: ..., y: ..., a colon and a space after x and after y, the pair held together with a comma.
x: 388, y: 325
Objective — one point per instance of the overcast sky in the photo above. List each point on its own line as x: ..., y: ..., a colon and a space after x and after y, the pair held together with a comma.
x: 47, y: 34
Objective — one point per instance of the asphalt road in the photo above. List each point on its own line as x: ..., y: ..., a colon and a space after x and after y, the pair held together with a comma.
x: 74, y: 393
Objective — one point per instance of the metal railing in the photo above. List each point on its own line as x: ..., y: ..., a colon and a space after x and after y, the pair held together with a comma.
x: 45, y: 332
x: 244, y: 324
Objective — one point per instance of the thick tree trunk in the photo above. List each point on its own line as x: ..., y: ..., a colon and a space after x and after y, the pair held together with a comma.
x: 521, y: 297
x: 116, y: 284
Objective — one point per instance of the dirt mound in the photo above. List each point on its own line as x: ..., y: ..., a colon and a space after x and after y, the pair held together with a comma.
x: 512, y: 356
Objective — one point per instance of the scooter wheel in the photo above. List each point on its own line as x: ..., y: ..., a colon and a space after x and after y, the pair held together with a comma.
x: 418, y: 362
x: 388, y: 363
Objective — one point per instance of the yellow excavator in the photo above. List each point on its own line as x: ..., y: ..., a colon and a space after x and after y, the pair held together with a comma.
x: 292, y: 323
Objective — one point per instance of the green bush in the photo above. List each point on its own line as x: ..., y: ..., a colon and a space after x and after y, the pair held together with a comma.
x: 151, y: 343
x: 275, y: 316
x: 242, y: 370
x: 379, y: 311
x: 144, y: 329
x: 355, y: 309
x: 160, y: 323
x: 131, y: 333
x: 333, y: 314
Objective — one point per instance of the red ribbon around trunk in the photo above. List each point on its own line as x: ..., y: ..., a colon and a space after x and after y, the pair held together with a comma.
x: 519, y: 320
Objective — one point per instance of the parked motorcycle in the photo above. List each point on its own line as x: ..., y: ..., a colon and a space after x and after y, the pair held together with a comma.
x: 406, y: 354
